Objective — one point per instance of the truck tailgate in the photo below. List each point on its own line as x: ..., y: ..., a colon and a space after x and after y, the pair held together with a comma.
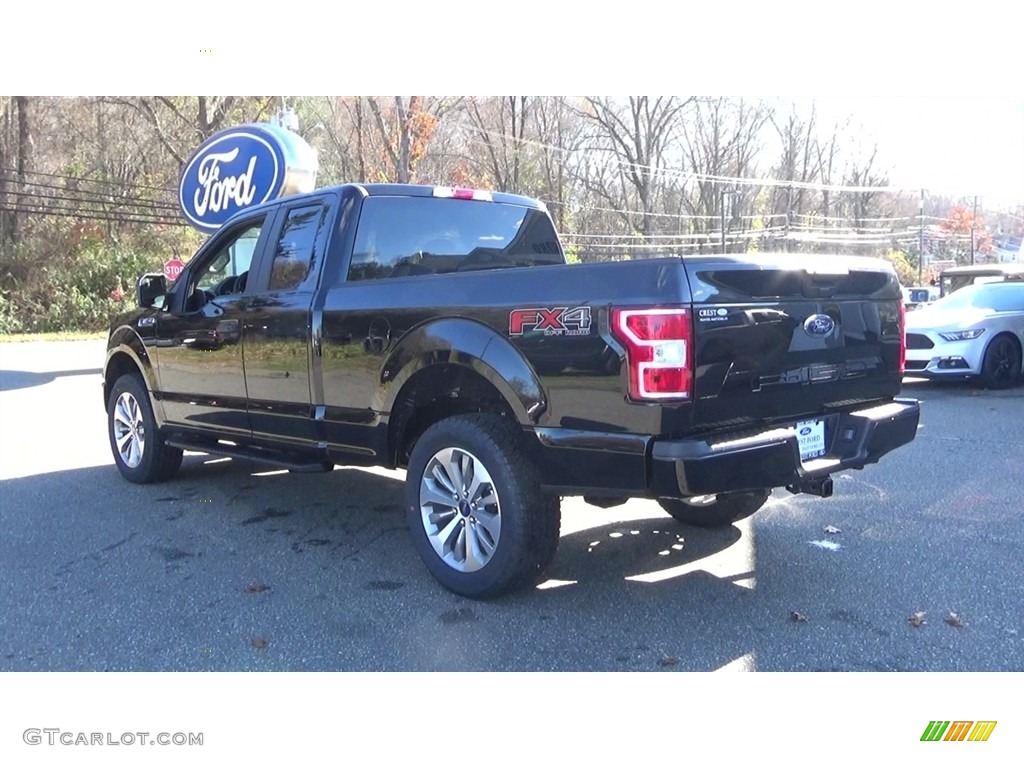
x: 786, y: 337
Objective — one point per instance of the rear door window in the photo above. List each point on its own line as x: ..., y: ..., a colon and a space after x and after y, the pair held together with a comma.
x: 293, y: 255
x: 402, y: 236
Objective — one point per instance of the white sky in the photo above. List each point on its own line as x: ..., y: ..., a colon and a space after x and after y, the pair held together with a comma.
x: 955, y: 145
x: 959, y: 146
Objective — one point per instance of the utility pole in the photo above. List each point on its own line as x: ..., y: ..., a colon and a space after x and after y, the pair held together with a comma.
x: 920, y: 241
x: 973, y: 219
x: 724, y: 193
x: 726, y: 200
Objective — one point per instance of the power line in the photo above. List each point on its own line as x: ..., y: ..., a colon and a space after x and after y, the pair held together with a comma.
x: 91, y: 199
x: 89, y: 181
x: 76, y: 213
x: 696, y: 175
x: 816, y: 216
x: 710, y: 217
x: 682, y: 236
x: 72, y: 186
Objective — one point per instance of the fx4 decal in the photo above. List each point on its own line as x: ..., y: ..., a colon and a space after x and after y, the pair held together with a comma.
x: 558, y: 321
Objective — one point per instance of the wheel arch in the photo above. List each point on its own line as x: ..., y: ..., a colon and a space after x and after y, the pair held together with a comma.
x: 1017, y: 342
x: 127, y: 353
x: 449, y: 367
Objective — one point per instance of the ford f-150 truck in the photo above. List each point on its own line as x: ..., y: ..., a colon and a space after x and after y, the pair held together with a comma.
x: 440, y: 330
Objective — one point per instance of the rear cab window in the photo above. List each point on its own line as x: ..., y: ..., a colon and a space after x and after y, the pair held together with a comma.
x: 403, y: 236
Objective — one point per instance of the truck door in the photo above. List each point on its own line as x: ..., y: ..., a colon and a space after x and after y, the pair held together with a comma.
x: 277, y: 326
x: 199, y: 345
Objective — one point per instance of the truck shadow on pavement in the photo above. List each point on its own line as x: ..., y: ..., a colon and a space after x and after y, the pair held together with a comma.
x: 11, y: 380
x: 233, y: 566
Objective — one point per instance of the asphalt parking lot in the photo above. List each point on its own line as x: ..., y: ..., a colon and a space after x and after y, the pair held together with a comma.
x: 234, y: 566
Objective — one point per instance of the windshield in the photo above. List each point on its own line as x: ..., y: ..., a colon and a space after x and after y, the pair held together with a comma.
x: 994, y: 297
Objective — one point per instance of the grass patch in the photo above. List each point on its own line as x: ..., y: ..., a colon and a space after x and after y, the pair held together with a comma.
x: 56, y: 336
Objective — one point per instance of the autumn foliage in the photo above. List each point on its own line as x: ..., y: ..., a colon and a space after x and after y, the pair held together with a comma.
x: 962, y: 221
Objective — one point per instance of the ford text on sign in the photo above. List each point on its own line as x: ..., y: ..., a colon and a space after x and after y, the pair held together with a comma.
x: 231, y: 171
x: 243, y: 167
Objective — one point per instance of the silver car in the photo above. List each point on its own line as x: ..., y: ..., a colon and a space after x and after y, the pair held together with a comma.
x: 975, y: 331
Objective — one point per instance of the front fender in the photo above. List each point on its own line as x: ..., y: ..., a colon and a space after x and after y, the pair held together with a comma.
x: 469, y: 344
x: 125, y: 342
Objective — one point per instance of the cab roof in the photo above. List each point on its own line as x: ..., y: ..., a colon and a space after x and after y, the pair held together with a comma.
x: 403, y: 190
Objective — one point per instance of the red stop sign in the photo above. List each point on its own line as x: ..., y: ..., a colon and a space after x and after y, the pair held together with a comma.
x: 173, y: 268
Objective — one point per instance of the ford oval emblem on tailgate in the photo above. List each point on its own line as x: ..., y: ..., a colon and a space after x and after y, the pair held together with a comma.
x: 819, y: 325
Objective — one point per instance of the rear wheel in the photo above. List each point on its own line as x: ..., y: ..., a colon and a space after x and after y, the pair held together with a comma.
x: 476, y: 512
x: 139, y: 451
x: 1001, y: 367
x: 716, y: 511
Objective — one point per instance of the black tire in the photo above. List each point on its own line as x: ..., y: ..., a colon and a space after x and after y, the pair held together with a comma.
x: 528, y: 519
x: 725, y: 510
x: 1001, y: 367
x: 156, y: 461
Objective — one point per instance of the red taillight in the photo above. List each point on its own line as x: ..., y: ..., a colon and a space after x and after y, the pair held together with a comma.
x: 659, y: 352
x: 903, y: 338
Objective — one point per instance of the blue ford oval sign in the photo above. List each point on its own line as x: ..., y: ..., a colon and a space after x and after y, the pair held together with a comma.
x: 242, y: 167
x: 819, y: 325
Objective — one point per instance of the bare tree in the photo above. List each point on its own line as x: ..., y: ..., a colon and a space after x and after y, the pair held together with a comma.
x: 863, y: 173
x: 500, y: 130
x: 640, y: 134
x: 560, y: 135
x: 25, y: 160
x: 827, y: 151
x: 181, y: 123
x: 8, y: 162
x: 799, y: 161
x: 721, y: 142
x: 405, y: 130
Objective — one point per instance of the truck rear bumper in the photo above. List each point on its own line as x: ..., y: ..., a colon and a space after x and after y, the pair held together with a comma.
x: 771, y: 459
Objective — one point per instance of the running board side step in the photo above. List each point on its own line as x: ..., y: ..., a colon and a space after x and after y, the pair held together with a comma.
x: 262, y: 456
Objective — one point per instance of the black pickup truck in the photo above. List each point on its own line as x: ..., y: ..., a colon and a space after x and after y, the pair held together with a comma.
x: 440, y: 330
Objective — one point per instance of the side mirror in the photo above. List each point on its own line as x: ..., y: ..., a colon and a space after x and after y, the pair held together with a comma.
x: 150, y: 288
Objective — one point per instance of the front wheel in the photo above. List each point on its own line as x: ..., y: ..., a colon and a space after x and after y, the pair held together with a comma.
x: 716, y: 511
x: 478, y: 517
x: 1001, y: 367
x: 139, y: 451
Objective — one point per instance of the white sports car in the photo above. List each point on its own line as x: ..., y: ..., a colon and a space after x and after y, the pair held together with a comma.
x: 975, y: 331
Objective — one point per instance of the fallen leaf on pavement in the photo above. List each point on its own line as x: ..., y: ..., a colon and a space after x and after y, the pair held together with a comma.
x: 667, y: 660
x: 797, y: 616
x: 954, y: 620
x: 259, y: 642
x: 917, y: 619
x: 831, y: 529
x: 256, y: 588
